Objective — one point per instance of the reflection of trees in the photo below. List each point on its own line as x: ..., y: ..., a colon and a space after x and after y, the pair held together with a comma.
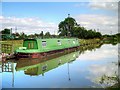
x: 111, y: 42
x: 89, y: 47
x: 110, y: 81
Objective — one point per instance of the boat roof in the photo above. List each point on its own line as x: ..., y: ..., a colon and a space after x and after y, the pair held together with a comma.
x: 47, y: 38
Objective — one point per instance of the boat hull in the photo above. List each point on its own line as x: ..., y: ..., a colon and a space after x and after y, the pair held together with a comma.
x: 45, y: 54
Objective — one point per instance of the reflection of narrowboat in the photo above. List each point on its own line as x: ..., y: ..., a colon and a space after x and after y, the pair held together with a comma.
x: 36, y: 67
x: 40, y: 47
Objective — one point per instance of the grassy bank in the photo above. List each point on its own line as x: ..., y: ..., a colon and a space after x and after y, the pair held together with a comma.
x: 89, y: 41
x: 15, y: 43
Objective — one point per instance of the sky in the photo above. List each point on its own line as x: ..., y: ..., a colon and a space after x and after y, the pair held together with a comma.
x: 34, y: 17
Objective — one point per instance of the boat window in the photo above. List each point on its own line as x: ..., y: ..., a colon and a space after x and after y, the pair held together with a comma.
x: 44, y: 43
x: 59, y: 42
x: 68, y: 41
x: 30, y: 45
x: 73, y: 41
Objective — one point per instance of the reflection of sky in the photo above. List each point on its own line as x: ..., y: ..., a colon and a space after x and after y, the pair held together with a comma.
x: 0, y: 75
x: 82, y: 71
x: 107, y: 52
x: 97, y: 71
x: 0, y: 80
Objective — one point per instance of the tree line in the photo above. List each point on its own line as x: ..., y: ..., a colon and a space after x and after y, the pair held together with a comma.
x: 66, y: 28
x: 7, y: 35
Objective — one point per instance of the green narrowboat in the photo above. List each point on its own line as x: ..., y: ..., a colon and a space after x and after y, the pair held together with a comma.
x: 40, y: 47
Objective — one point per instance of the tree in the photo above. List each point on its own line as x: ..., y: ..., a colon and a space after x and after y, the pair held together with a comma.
x: 66, y: 26
x: 69, y: 27
x: 47, y: 35
x: 98, y: 35
x: 36, y: 35
x: 22, y: 36
x: 6, y: 34
x: 41, y: 34
x: 6, y: 31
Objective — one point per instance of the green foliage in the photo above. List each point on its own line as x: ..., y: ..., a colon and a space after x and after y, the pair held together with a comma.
x: 22, y: 36
x: 47, y: 35
x: 69, y: 27
x: 82, y: 33
x: 41, y: 34
x: 6, y: 34
x: 5, y: 31
x: 66, y: 26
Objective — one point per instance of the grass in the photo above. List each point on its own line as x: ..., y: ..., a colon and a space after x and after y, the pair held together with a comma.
x: 89, y: 41
x: 15, y: 44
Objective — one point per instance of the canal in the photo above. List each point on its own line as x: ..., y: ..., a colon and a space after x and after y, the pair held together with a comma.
x: 80, y: 69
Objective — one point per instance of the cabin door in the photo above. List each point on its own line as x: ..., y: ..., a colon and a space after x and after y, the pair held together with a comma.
x: 30, y: 45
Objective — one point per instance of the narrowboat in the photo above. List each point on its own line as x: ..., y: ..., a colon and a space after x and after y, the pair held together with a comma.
x: 38, y: 48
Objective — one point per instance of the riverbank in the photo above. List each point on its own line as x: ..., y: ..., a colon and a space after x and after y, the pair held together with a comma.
x: 84, y: 42
x: 14, y: 43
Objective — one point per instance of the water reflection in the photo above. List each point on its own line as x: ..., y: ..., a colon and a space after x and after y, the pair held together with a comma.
x: 104, y: 74
x: 79, y: 69
x: 0, y: 75
x: 107, y: 53
x: 37, y: 67
x: 91, y: 47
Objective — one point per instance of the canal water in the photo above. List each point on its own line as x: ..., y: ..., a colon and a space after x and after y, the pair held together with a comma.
x: 80, y: 69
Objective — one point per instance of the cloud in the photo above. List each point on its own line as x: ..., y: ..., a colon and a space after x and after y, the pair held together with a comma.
x: 111, y: 5
x: 80, y: 4
x: 104, y: 23
x: 28, y: 25
x: 107, y: 54
x: 97, y: 71
x: 107, y: 69
x: 104, y: 5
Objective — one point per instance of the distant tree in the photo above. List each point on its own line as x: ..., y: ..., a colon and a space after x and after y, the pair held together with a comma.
x: 41, y: 34
x: 6, y: 34
x: 98, y: 35
x: 36, y: 35
x: 22, y: 36
x: 47, y: 35
x: 6, y: 31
